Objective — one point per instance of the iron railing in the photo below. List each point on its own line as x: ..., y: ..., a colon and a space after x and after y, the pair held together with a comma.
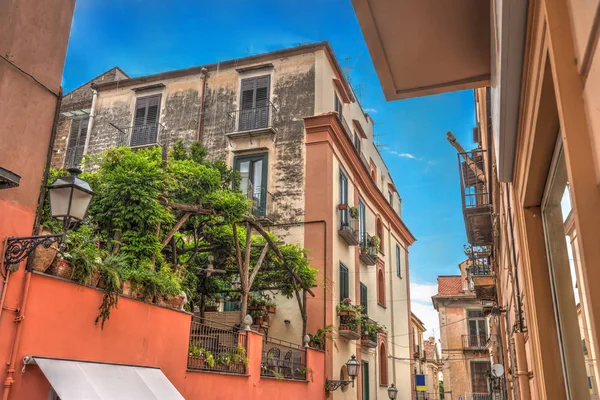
x: 348, y: 226
x: 248, y: 119
x: 368, y: 250
x: 283, y: 360
x: 368, y: 338
x: 480, y: 396
x: 480, y: 259
x: 140, y: 135
x: 261, y: 200
x: 473, y: 179
x: 217, y: 347
x: 474, y: 342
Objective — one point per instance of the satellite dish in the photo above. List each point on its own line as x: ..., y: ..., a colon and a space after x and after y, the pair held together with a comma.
x: 497, y: 370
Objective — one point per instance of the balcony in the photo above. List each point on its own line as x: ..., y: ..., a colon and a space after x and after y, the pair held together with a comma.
x: 251, y: 121
x: 261, y: 203
x: 217, y: 347
x: 139, y: 136
x: 368, y: 338
x: 474, y: 342
x: 484, y: 282
x: 368, y: 250
x: 349, y: 325
x: 348, y: 229
x: 476, y: 199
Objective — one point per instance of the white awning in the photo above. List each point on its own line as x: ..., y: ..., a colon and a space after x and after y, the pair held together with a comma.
x: 79, y: 380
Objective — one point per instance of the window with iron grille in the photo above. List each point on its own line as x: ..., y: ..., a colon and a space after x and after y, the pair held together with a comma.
x: 364, y: 302
x: 344, y: 285
x: 479, y: 371
x: 254, y: 103
x: 145, y: 123
x: 76, y: 144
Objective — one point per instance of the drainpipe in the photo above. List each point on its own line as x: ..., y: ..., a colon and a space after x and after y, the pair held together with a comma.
x: 204, y: 72
x: 42, y: 196
x: 392, y: 306
x: 520, y: 354
x: 10, y: 366
x: 91, y: 121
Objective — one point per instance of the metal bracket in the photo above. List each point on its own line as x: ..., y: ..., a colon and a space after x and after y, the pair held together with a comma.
x: 19, y: 248
x: 335, y: 384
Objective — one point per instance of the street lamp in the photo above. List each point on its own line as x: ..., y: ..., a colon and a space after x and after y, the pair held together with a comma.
x: 70, y: 198
x: 392, y: 392
x: 352, y: 366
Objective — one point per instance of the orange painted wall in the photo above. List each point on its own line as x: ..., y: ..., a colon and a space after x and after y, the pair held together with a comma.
x: 59, y: 322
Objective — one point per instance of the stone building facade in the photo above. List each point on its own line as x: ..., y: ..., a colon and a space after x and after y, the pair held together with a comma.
x: 464, y: 335
x: 74, y: 119
x: 290, y: 123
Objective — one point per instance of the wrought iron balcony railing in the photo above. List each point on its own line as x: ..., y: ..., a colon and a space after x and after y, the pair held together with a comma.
x: 348, y: 225
x: 249, y: 119
x: 217, y: 347
x: 368, y: 249
x: 140, y: 135
x: 368, y: 337
x: 283, y: 360
x: 475, y: 194
x: 480, y: 260
x: 474, y: 342
x: 261, y: 201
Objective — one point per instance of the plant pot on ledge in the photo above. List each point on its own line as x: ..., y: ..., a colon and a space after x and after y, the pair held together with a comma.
x: 271, y: 309
x: 61, y: 268
x: 346, y: 312
x: 258, y: 320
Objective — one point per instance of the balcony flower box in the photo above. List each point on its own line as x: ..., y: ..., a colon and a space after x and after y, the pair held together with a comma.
x: 349, y: 315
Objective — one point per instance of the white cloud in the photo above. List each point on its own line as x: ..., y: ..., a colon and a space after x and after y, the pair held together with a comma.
x: 404, y: 155
x: 422, y: 307
x: 371, y: 110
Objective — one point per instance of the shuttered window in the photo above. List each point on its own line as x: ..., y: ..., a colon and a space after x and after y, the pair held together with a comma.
x: 337, y: 105
x: 364, y: 302
x: 479, y: 371
x: 145, y: 123
x: 76, y: 143
x: 357, y: 142
x: 254, y: 107
x: 344, y: 285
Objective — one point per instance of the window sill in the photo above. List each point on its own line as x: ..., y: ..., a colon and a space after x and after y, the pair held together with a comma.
x: 381, y: 305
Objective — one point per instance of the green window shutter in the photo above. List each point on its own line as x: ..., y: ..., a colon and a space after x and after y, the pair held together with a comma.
x: 344, y: 289
x: 364, y: 302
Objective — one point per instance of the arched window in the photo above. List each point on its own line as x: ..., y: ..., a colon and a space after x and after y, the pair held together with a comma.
x: 383, y: 364
x: 380, y: 287
x: 379, y: 232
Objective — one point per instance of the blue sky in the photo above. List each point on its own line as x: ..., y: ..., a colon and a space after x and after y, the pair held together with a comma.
x: 151, y: 36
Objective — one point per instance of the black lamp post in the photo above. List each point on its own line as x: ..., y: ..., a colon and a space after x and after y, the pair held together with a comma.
x: 352, y: 366
x: 392, y: 392
x: 70, y: 198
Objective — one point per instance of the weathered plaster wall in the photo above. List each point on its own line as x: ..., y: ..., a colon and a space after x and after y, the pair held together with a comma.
x: 77, y: 99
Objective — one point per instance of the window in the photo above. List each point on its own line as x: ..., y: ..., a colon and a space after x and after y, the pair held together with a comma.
x: 344, y: 285
x: 76, y: 144
x: 373, y: 171
x: 343, y: 187
x: 254, y: 103
x: 477, y: 328
x: 337, y: 104
x: 479, y: 383
x: 398, y: 263
x: 145, y: 122
x: 390, y: 197
x: 253, y: 179
x: 357, y: 142
x: 380, y: 287
x: 365, y: 381
x: 379, y: 232
x: 364, y: 302
x: 383, y: 365
x: 362, y: 222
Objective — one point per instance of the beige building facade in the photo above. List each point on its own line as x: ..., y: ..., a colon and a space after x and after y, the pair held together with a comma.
x: 539, y: 133
x: 290, y: 124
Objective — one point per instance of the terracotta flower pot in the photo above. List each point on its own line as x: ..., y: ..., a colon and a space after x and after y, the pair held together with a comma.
x: 271, y: 309
x: 95, y: 280
x: 346, y: 312
x: 61, y: 268
x: 258, y: 320
x: 42, y: 257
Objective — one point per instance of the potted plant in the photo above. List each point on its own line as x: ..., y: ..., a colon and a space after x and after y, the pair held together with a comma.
x: 345, y: 307
x: 200, y: 358
x: 318, y: 340
x: 257, y: 317
x: 223, y: 361
x: 256, y: 302
x: 376, y: 242
x: 271, y: 306
x: 211, y: 305
x: 354, y: 212
x: 364, y: 249
x: 239, y: 360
